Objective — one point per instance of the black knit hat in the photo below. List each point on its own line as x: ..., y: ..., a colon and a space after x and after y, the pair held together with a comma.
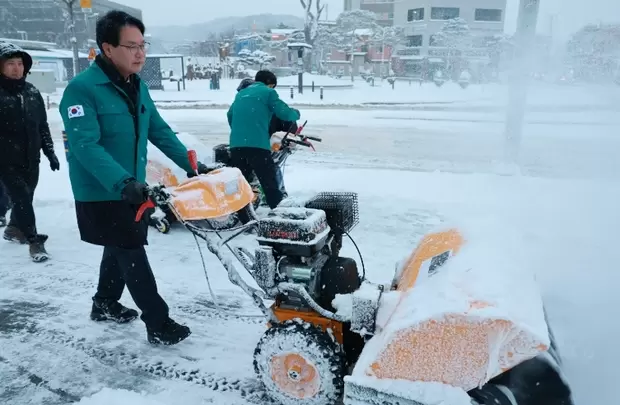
x: 9, y: 50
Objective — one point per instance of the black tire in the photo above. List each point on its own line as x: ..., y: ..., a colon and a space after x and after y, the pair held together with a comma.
x: 163, y: 226
x: 308, y: 350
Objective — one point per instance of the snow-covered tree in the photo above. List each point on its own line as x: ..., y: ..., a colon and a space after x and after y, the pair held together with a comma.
x: 311, y: 23
x: 391, y: 37
x: 260, y: 58
x: 594, y: 52
x: 454, y: 35
x: 311, y: 27
x: 353, y: 29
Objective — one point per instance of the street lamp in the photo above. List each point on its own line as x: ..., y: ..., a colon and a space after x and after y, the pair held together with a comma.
x: 299, y: 47
x: 524, y: 39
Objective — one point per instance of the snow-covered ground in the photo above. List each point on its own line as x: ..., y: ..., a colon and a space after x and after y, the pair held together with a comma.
x: 405, y: 95
x: 413, y: 171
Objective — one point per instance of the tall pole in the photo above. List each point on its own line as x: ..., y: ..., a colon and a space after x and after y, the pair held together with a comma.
x: 74, y: 45
x: 525, y: 40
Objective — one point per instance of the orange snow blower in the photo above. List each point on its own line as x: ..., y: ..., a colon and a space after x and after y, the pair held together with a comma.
x: 443, y: 331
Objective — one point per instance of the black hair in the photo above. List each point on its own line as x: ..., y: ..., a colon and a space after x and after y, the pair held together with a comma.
x: 267, y: 77
x: 110, y: 25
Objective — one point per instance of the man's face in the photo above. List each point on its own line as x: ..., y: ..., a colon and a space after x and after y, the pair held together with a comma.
x: 13, y: 68
x: 129, y: 56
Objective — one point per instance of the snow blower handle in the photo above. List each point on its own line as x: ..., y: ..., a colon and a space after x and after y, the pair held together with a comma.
x: 301, y: 128
x: 145, y: 206
x: 193, y: 160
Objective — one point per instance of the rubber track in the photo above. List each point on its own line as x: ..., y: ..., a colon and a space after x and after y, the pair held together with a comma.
x: 248, y: 389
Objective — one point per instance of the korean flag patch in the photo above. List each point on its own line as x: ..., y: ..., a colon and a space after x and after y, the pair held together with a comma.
x: 75, y: 111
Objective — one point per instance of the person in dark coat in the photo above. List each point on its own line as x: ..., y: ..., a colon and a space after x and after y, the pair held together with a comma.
x: 5, y: 205
x: 109, y: 118
x: 24, y: 133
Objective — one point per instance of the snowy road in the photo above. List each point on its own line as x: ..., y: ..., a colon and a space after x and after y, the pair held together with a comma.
x: 565, y: 212
x: 568, y: 145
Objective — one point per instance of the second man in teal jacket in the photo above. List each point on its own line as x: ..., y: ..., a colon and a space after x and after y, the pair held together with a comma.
x: 249, y: 117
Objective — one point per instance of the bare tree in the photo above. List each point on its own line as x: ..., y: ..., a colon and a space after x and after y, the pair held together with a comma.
x: 311, y: 25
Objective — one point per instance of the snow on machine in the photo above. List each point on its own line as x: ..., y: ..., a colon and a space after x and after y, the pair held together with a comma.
x: 447, y: 330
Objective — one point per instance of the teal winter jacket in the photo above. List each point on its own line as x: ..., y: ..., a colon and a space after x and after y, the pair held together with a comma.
x: 250, y: 114
x: 102, y: 144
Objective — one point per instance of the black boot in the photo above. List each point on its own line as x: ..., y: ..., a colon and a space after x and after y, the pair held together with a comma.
x: 13, y: 234
x: 170, y: 333
x: 38, y: 254
x: 107, y: 310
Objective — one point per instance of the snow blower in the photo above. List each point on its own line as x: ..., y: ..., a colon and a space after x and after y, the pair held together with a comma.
x: 163, y: 171
x: 442, y: 332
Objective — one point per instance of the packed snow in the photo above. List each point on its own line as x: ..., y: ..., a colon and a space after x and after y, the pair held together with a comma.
x: 414, y: 170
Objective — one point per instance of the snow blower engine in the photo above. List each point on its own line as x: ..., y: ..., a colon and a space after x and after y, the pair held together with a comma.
x: 300, y: 247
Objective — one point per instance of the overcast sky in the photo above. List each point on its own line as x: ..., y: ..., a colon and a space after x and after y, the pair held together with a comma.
x: 568, y: 15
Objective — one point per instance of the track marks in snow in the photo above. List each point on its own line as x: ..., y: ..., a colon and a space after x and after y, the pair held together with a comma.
x: 140, y: 367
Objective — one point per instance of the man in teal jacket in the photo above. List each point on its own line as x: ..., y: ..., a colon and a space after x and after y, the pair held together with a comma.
x: 249, y: 118
x: 109, y: 117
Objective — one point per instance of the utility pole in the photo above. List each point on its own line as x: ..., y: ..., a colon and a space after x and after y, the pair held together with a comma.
x: 74, y: 45
x: 525, y: 39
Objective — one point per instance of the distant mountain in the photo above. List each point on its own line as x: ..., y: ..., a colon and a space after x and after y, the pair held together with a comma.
x: 201, y: 31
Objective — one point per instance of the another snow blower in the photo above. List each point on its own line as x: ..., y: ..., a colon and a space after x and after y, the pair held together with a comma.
x: 442, y: 332
x: 161, y: 170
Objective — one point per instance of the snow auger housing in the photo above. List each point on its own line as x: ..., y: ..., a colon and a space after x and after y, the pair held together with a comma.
x: 441, y: 331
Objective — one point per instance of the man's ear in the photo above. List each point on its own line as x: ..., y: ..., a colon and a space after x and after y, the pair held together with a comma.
x: 106, y: 49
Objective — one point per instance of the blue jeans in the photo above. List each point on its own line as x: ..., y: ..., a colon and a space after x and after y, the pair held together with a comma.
x: 5, y: 201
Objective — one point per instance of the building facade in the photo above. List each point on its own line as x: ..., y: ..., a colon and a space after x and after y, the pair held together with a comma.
x: 422, y: 19
x: 384, y: 9
x: 421, y: 54
x: 47, y: 20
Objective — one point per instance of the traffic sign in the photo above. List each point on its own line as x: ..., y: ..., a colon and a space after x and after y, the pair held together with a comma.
x: 92, y: 54
x: 86, y: 4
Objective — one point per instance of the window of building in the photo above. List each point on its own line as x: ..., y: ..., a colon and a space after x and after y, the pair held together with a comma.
x: 414, y: 40
x: 416, y: 14
x: 445, y: 13
x: 347, y: 5
x: 488, y: 14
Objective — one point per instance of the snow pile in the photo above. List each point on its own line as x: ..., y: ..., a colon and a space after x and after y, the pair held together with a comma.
x: 463, y: 323
x: 427, y: 393
x: 109, y: 396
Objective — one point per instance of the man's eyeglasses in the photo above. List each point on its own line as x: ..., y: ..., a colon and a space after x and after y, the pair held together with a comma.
x: 133, y: 48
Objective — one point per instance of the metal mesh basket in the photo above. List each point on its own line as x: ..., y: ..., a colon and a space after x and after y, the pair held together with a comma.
x: 341, y: 209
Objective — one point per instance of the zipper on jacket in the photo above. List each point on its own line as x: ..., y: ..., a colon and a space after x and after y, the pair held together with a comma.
x: 24, y: 128
x: 136, y: 119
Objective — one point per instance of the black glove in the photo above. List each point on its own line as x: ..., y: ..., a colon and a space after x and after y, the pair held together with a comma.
x: 134, y: 192
x: 54, y: 163
x: 202, y: 169
x: 293, y: 128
